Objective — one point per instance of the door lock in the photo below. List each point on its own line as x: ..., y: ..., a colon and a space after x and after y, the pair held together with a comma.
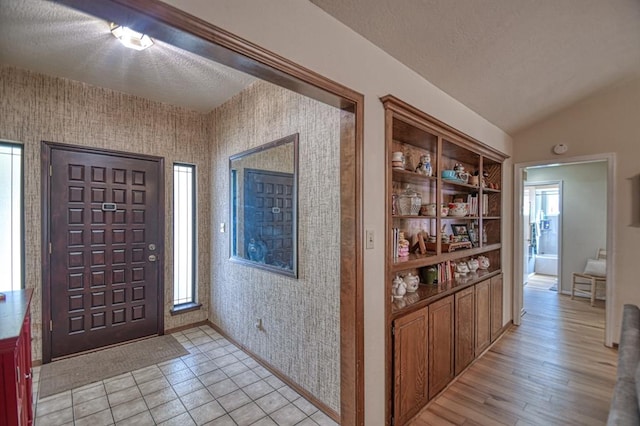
x: 152, y: 247
x: 152, y: 258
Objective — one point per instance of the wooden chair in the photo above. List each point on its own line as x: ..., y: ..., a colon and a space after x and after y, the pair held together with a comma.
x: 591, y: 277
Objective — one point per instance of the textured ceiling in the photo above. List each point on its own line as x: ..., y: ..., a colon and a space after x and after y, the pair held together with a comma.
x: 54, y: 40
x: 512, y: 61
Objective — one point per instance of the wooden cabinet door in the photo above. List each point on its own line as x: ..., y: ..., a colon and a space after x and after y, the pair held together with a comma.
x: 410, y: 365
x: 464, y: 329
x: 483, y: 316
x: 496, y: 306
x: 25, y: 338
x: 21, y: 383
x: 440, y: 345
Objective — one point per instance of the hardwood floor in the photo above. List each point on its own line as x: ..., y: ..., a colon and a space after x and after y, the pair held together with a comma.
x: 542, y: 282
x: 552, y: 370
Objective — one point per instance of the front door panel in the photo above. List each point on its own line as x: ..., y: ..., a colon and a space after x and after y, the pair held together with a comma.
x: 104, y: 227
x: 269, y: 215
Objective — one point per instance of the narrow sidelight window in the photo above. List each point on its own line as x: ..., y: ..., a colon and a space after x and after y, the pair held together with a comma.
x: 184, y: 232
x: 11, y: 217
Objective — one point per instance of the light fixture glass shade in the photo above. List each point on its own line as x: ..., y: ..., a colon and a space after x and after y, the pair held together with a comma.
x: 130, y: 38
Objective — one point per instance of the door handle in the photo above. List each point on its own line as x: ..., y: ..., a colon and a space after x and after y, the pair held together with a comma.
x: 152, y: 258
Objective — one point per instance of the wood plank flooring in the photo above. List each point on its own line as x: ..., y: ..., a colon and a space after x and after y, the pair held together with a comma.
x: 552, y: 370
x: 541, y: 282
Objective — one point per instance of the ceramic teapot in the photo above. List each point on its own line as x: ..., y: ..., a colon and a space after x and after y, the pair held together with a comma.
x: 483, y: 262
x: 473, y: 264
x: 428, y: 209
x: 412, y: 282
x: 462, y: 268
x: 399, y: 288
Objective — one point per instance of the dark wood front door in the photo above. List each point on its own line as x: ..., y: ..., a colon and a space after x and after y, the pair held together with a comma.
x: 269, y: 216
x: 106, y: 234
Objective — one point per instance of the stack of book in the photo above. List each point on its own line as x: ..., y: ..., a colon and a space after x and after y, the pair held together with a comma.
x: 446, y: 271
x: 472, y: 203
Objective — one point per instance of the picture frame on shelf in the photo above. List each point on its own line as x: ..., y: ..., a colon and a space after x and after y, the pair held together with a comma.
x: 460, y: 231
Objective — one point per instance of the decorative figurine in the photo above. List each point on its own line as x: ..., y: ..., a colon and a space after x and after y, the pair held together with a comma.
x: 483, y: 262
x: 424, y: 166
x: 403, y: 246
x: 399, y: 287
x: 473, y: 264
x: 462, y: 268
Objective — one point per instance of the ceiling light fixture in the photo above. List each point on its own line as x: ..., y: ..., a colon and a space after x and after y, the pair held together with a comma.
x: 130, y: 38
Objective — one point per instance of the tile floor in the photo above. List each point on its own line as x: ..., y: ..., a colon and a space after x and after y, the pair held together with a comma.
x: 215, y: 384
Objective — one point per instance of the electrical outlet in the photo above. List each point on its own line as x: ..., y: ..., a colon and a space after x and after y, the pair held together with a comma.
x: 369, y: 239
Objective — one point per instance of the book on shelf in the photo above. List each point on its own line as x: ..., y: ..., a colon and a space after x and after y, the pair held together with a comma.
x: 394, y: 238
x: 485, y: 204
x: 472, y: 203
x: 445, y: 271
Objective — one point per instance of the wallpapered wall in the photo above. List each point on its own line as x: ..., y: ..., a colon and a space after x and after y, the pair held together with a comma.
x: 301, y: 335
x: 36, y: 107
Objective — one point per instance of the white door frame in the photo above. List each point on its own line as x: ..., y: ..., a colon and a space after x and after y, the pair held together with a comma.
x: 560, y: 184
x: 518, y: 187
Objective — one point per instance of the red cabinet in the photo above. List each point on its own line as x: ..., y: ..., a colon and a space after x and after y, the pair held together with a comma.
x: 16, y: 400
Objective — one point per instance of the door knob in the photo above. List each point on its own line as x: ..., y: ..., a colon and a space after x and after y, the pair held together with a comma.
x: 152, y: 258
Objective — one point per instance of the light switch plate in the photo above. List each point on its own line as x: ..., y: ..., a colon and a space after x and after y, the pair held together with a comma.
x: 369, y: 239
x: 222, y: 227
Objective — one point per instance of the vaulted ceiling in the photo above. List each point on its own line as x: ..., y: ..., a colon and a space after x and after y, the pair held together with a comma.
x: 512, y: 61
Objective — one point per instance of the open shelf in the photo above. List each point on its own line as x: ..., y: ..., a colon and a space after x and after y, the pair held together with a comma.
x: 490, y: 190
x: 456, y: 184
x: 397, y: 216
x: 416, y: 260
x: 407, y: 176
x: 460, y: 217
x: 429, y: 293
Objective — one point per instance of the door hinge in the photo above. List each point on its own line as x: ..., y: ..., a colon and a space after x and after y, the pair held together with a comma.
x: 49, y: 248
x: 50, y: 325
x: 50, y: 170
x: 393, y: 330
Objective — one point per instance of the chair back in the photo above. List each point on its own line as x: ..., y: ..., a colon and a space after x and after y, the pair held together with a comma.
x: 601, y: 254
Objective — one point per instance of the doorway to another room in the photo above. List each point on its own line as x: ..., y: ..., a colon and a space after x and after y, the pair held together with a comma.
x: 542, y: 218
x: 562, y: 225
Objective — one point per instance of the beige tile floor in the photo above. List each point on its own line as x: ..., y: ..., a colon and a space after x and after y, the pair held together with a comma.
x: 215, y: 384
